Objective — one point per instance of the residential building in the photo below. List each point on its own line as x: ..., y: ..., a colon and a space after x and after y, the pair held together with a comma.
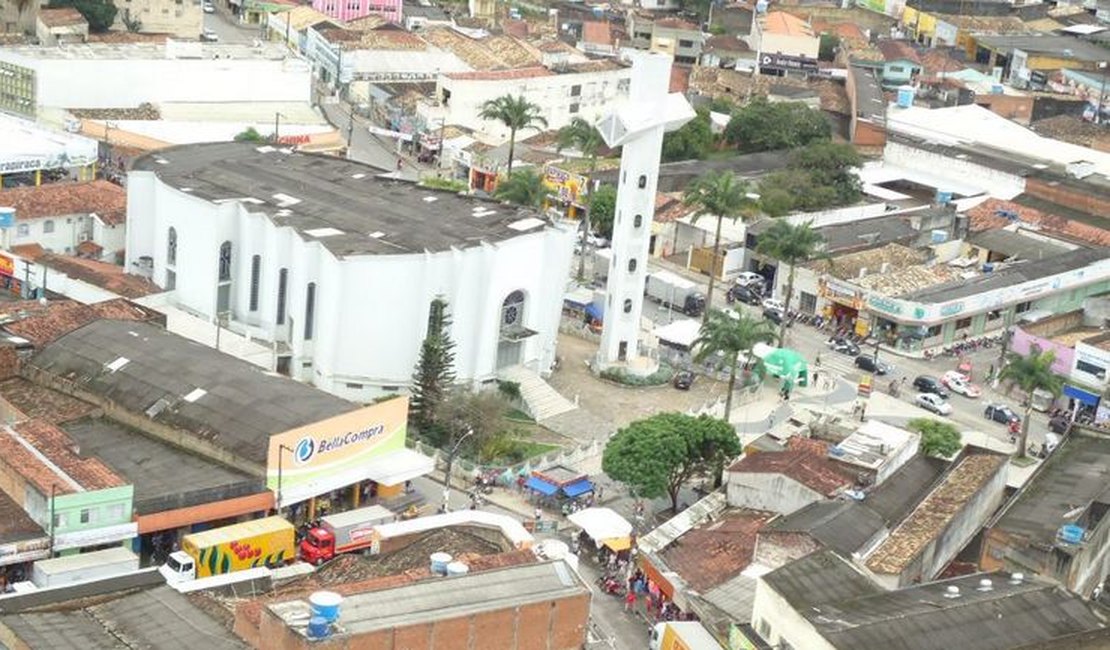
x: 598, y: 38
x: 68, y: 217
x: 358, y: 58
x: 901, y: 63
x: 509, y: 608
x: 391, y: 10
x: 22, y: 541
x: 284, y: 266
x: 875, y: 450
x: 785, y: 481
x: 291, y: 25
x: 681, y: 39
x: 822, y: 602
x: 18, y: 18
x: 953, y: 512
x: 784, y: 43
x: 846, y: 527
x: 55, y: 26
x: 562, y: 93
x: 727, y: 52
x: 1056, y: 526
x: 183, y: 19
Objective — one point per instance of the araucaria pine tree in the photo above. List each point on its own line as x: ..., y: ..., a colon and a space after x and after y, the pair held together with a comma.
x: 435, y: 372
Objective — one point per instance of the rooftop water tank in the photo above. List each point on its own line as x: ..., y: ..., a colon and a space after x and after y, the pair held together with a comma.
x: 318, y: 627
x: 905, y: 96
x: 325, y: 604
x: 1071, y: 533
x: 457, y: 569
x: 7, y: 217
x: 440, y: 562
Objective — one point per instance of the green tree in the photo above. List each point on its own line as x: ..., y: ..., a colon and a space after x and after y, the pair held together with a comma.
x: 480, y: 414
x: 1030, y: 373
x: 603, y: 206
x: 826, y: 50
x: 584, y: 137
x: 525, y: 188
x: 937, y: 438
x: 728, y: 333
x: 765, y: 126
x: 692, y: 141
x: 435, y: 373
x: 251, y: 135
x: 723, y: 196
x: 658, y: 455
x: 790, y: 244
x: 833, y: 165
x: 100, y: 14
x: 516, y: 113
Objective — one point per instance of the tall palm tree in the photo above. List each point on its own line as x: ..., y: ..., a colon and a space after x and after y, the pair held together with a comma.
x: 1029, y: 373
x: 525, y: 188
x: 790, y: 244
x: 517, y: 113
x: 584, y: 137
x: 722, y: 195
x: 729, y: 333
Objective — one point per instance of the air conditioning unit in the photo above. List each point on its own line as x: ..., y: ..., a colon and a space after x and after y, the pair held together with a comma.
x: 83, y: 237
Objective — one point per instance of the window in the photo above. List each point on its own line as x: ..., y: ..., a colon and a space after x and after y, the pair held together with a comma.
x: 309, y: 309
x: 685, y: 43
x: 256, y: 269
x: 225, y: 262
x: 573, y: 108
x: 47, y: 226
x: 512, y: 309
x: 632, y: 265
x: 171, y: 247
x: 23, y: 230
x: 88, y: 516
x: 628, y: 306
x: 994, y: 315
x: 933, y: 331
x: 764, y: 630
x: 171, y: 280
x: 963, y: 323
x: 643, y: 181
x: 576, y: 90
x: 354, y: 386
x: 59, y: 520
x: 283, y: 278
x: 1023, y: 307
x: 637, y: 221
x: 115, y: 512
x: 897, y: 69
x: 1091, y: 369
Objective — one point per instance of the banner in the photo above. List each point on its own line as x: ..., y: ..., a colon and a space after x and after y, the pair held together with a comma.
x: 7, y: 265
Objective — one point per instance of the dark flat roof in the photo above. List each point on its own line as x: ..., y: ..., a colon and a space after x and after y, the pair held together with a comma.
x: 1064, y: 47
x: 1016, y: 274
x: 343, y: 204
x: 870, y: 101
x: 1012, y: 244
x: 895, y: 497
x: 821, y: 577
x: 241, y: 407
x: 843, y: 526
x: 165, y: 477
x: 854, y: 235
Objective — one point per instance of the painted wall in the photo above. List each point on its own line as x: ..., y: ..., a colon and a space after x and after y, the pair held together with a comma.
x: 777, y: 622
x: 1022, y: 342
x: 99, y: 508
x: 351, y: 9
x: 772, y: 492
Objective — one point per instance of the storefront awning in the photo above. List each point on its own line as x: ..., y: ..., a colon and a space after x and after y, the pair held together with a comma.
x: 619, y: 544
x: 578, y: 488
x: 96, y: 536
x: 539, y: 485
x: 601, y: 523
x: 398, y: 466
x: 1090, y: 399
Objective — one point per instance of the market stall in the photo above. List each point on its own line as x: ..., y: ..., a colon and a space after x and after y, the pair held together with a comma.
x: 561, y: 481
x: 604, y: 527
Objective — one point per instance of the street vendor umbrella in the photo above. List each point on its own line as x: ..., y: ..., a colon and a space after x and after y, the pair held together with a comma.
x: 784, y: 362
x: 601, y: 523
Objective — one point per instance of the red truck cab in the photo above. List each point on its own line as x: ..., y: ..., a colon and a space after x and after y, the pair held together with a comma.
x: 318, y: 546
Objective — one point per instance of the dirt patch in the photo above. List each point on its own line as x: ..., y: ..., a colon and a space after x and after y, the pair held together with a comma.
x: 354, y: 568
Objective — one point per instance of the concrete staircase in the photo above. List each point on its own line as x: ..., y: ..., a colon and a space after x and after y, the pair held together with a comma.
x: 541, y: 401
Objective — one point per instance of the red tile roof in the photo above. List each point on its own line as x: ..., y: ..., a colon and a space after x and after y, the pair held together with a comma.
x: 814, y: 471
x: 501, y: 75
x: 680, y: 79
x: 985, y: 216
x: 716, y: 551
x: 62, y: 452
x: 597, y: 32
x: 101, y: 274
x: 846, y: 31
x: 42, y: 324
x: 780, y: 22
x: 40, y: 403
x: 66, y: 17
x: 676, y: 23
x: 936, y: 61
x: 898, y: 50
x: 107, y: 200
x: 29, y: 251
x: 517, y: 28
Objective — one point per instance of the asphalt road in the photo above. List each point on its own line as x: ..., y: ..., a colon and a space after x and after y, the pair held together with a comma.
x: 228, y: 28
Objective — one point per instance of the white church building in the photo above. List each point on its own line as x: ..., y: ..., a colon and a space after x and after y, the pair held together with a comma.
x: 335, y: 268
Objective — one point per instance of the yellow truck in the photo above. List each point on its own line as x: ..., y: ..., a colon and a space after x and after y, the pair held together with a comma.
x: 684, y: 635
x: 246, y: 545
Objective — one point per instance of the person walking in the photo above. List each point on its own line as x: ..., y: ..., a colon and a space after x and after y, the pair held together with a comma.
x: 629, y: 600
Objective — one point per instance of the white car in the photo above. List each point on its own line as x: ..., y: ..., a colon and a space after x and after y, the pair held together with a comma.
x: 747, y: 278
x: 933, y: 402
x: 958, y: 383
x: 209, y: 35
x: 209, y: 8
x: 774, y: 303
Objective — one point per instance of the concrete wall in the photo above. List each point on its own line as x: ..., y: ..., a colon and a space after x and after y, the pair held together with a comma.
x: 1018, y: 108
x: 997, y: 183
x: 772, y: 492
x: 776, y: 621
x: 1067, y: 195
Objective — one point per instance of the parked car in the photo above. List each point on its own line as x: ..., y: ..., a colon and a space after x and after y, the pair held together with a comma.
x: 208, y: 34
x: 683, y: 380
x: 960, y: 384
x: 1059, y: 425
x: 209, y: 8
x: 1001, y: 413
x: 927, y: 384
x: 744, y: 294
x: 868, y: 363
x: 773, y: 303
x: 749, y: 278
x: 933, y: 402
x: 842, y: 345
x: 773, y: 315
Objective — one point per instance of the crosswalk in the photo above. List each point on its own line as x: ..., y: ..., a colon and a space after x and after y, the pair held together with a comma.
x: 840, y: 365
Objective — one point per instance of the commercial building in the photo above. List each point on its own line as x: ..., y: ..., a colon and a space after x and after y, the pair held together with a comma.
x: 69, y: 218
x: 1056, y: 526
x: 784, y: 43
x: 390, y: 10
x: 353, y: 58
x: 27, y: 150
x: 22, y: 541
x: 822, y: 602
x: 681, y: 39
x: 303, y: 251
x: 178, y: 19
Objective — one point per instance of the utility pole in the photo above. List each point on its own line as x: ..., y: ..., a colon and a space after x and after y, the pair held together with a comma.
x: 447, y: 474
x: 26, y: 292
x: 1105, y: 67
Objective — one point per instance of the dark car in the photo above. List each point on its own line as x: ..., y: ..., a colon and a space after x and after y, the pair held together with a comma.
x: 1001, y: 413
x: 843, y: 345
x: 927, y: 384
x: 868, y: 363
x: 743, y: 294
x: 773, y: 315
x: 1059, y: 425
x: 683, y: 380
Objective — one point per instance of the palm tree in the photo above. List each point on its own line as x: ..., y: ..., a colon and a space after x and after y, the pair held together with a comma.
x: 525, y: 188
x: 719, y: 194
x: 584, y: 137
x: 729, y: 333
x: 1030, y: 373
x: 790, y: 244
x: 517, y: 113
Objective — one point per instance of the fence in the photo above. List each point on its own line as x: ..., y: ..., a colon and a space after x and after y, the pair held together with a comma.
x: 466, y: 470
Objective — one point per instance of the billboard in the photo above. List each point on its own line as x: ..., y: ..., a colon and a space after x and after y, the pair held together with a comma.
x: 7, y: 265
x: 333, y: 453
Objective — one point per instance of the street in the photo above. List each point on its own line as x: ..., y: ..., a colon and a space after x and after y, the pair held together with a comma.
x: 228, y: 29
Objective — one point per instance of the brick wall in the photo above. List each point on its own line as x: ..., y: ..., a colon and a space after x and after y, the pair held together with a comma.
x: 1067, y: 196
x: 1018, y: 108
x: 9, y: 363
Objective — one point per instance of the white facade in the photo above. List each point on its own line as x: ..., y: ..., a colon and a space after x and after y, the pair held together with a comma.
x: 61, y: 234
x: 101, y: 75
x: 779, y: 623
x: 366, y: 327
x: 181, y: 18
x: 560, y: 96
x: 1091, y: 365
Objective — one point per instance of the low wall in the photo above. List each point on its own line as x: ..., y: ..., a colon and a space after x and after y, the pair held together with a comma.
x: 140, y: 579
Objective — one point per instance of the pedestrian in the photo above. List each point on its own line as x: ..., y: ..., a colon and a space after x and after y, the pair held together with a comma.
x: 400, y: 163
x: 629, y: 600
x: 538, y: 514
x: 600, y: 491
x: 817, y: 362
x: 816, y: 377
x: 862, y: 412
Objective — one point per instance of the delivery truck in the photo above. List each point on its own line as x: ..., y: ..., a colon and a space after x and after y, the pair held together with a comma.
x: 84, y: 567
x: 682, y: 635
x: 343, y: 532
x: 675, y: 292
x: 602, y: 258
x: 246, y: 545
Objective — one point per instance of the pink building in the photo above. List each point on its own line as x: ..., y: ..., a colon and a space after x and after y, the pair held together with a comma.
x: 352, y: 9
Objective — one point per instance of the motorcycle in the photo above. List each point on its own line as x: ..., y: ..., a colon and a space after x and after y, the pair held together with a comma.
x: 612, y: 586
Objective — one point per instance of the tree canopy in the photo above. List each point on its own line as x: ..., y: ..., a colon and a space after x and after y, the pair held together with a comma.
x: 658, y: 455
x: 765, y: 126
x: 603, y: 206
x: 721, y: 195
x: 435, y: 373
x: 516, y: 113
x: 937, y: 438
x: 790, y: 244
x: 100, y: 14
x: 819, y: 176
x: 727, y: 334
x: 690, y: 142
x: 524, y: 187
x: 1031, y: 372
x: 250, y: 134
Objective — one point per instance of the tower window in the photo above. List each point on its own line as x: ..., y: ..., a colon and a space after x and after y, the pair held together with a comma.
x: 283, y: 279
x: 632, y: 265
x: 256, y: 271
x: 628, y: 305
x: 309, y: 310
x: 638, y: 220
x: 643, y: 181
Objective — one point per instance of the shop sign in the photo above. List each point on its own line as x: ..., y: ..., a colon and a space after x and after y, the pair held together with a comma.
x: 785, y: 62
x: 96, y: 536
x: 26, y: 551
x: 333, y: 453
x: 564, y: 184
x: 302, y: 138
x: 951, y: 309
x: 885, y: 305
x: 7, y: 266
x: 30, y: 165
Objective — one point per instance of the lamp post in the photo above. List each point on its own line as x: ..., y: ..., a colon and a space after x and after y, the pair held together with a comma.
x: 277, y: 125
x: 53, y: 490
x: 450, y: 461
x: 281, y: 450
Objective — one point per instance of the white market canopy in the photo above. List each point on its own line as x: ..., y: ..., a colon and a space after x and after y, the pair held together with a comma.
x: 601, y: 523
x: 27, y: 147
x: 681, y: 333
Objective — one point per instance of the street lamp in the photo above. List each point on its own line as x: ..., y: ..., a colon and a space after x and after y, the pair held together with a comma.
x: 450, y: 461
x: 281, y: 449
x: 277, y: 125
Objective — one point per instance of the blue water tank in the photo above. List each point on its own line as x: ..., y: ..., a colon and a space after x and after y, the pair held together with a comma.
x: 905, y: 96
x: 761, y: 6
x: 996, y: 89
x: 944, y: 197
x: 318, y: 627
x: 1071, y: 533
x: 7, y: 217
x: 325, y: 604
